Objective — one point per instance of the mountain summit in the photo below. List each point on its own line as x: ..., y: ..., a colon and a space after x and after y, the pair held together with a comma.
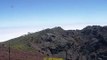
x: 90, y: 43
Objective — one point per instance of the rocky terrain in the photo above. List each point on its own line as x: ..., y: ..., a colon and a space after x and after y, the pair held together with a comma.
x: 90, y: 43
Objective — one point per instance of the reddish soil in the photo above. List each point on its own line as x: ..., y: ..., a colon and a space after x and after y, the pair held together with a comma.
x: 19, y: 55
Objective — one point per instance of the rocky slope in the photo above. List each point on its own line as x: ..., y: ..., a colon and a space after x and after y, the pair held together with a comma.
x: 15, y: 54
x: 89, y: 43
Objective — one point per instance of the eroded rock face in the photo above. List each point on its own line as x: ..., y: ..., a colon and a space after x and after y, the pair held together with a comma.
x: 89, y: 43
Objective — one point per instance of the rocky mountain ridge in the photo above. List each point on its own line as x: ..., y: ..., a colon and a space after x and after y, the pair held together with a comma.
x: 89, y: 43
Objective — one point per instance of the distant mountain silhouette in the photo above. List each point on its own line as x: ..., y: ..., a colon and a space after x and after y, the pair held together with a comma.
x: 90, y: 43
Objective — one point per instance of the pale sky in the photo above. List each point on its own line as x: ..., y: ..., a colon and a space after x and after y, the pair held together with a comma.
x: 18, y: 17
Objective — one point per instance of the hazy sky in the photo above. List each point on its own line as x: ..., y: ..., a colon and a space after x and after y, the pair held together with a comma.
x: 17, y: 17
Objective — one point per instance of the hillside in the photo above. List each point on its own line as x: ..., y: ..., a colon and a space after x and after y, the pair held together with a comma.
x: 90, y: 43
